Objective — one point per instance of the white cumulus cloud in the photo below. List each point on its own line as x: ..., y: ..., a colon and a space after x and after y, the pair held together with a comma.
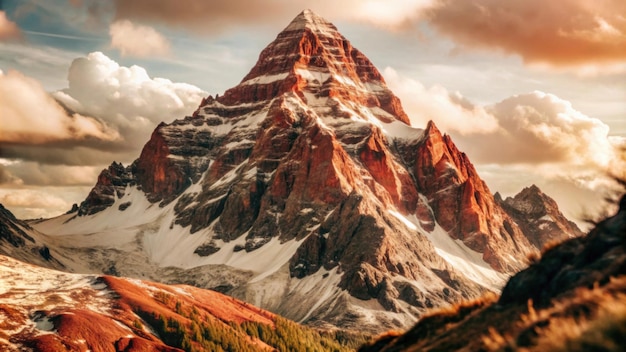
x: 137, y: 40
x: 54, y: 145
x: 450, y: 110
x: 541, y: 127
x: 107, y: 113
x: 126, y: 98
x: 29, y: 115
x: 532, y: 128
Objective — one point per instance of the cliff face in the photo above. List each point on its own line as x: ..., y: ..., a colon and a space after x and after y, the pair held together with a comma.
x: 111, y: 185
x: 463, y: 204
x: 312, y: 151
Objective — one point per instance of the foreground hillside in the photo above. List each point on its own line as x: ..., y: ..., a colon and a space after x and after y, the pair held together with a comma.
x: 573, y: 299
x: 47, y: 310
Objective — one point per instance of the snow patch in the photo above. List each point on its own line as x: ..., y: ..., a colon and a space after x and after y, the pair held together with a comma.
x: 546, y: 217
x: 308, y: 19
x: 462, y: 258
x: 265, y: 79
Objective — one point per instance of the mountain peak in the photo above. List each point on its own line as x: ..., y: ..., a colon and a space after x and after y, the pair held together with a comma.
x: 431, y: 129
x: 540, y: 217
x: 313, y: 60
x: 311, y: 20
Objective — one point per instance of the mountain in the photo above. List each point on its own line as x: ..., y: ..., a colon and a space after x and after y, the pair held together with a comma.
x: 572, y: 299
x: 47, y: 310
x: 539, y: 217
x: 304, y: 191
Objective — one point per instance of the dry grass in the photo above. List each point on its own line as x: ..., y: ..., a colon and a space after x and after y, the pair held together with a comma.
x: 460, y: 310
x: 589, y: 320
x: 606, y: 331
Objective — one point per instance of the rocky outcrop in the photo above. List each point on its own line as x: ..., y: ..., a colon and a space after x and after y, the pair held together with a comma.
x: 10, y: 231
x: 111, y: 185
x: 580, y: 262
x: 539, y: 217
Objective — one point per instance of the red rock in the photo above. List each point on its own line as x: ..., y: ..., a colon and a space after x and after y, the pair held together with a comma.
x: 159, y: 177
x: 463, y: 204
x: 386, y: 172
x: 304, y: 47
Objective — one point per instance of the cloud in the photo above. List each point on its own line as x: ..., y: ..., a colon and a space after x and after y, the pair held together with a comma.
x: 127, y: 99
x: 7, y: 178
x: 30, y: 199
x: 31, y: 203
x: 587, y: 34
x: 547, y: 134
x: 106, y: 114
x: 8, y: 29
x: 451, y: 111
x: 560, y: 33
x: 53, y: 146
x: 34, y: 173
x: 531, y: 128
x: 212, y: 16
x: 29, y: 115
x: 137, y: 40
x: 539, y: 127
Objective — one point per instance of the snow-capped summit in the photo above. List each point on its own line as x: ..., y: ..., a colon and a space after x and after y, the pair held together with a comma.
x: 312, y: 60
x: 309, y: 19
x: 302, y: 190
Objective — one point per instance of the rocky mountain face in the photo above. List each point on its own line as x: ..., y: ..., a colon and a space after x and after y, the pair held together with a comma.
x: 19, y: 240
x: 539, y: 217
x: 572, y: 299
x: 47, y: 310
x: 306, y: 179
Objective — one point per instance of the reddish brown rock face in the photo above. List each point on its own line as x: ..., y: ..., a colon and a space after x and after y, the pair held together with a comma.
x: 388, y: 173
x: 539, y: 217
x: 159, y: 177
x: 317, y: 47
x: 463, y: 205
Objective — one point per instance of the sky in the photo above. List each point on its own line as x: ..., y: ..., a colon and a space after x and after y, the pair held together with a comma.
x: 534, y: 91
